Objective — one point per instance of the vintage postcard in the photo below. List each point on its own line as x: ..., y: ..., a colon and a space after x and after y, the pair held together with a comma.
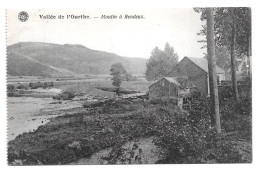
x: 129, y: 86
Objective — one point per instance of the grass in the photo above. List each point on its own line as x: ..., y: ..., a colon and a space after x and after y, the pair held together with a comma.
x: 88, y: 85
x: 52, y: 143
x: 186, y: 137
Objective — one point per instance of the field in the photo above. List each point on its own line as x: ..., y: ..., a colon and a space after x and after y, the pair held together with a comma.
x: 84, y: 84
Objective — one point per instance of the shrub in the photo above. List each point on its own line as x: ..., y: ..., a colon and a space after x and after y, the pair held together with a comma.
x: 225, y: 92
x: 66, y: 95
x: 184, y: 136
x: 190, y: 138
x: 10, y: 94
x: 164, y: 101
x: 21, y: 86
x: 69, y: 93
x: 236, y: 117
x: 10, y: 87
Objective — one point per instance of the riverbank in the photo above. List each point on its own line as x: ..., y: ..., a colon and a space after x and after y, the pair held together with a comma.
x: 67, y: 138
x: 185, y: 136
x: 35, y: 108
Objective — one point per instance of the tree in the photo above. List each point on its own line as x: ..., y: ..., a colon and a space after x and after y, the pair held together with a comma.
x: 222, y: 58
x: 169, y: 52
x: 212, y: 68
x: 223, y: 19
x: 232, y: 30
x: 161, y: 62
x: 117, y: 71
x: 233, y: 60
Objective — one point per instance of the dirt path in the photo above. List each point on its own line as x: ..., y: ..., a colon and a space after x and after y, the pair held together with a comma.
x: 149, y: 153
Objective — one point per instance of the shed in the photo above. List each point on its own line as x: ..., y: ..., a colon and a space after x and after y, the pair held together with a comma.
x: 171, y: 87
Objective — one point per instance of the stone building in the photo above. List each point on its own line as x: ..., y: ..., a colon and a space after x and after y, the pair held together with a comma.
x: 197, y: 71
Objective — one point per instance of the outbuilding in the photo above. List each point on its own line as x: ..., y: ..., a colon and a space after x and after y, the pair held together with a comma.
x: 171, y: 87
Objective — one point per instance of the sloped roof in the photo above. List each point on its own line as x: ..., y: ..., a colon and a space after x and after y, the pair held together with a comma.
x: 203, y: 64
x: 182, y: 82
x: 172, y: 80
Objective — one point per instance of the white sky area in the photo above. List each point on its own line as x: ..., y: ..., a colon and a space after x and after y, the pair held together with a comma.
x: 125, y: 37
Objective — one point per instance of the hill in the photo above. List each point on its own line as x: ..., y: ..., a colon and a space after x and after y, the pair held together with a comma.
x: 46, y: 59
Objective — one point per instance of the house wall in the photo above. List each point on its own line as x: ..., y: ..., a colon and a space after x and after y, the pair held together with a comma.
x: 163, y: 89
x: 195, y: 74
x: 221, y: 76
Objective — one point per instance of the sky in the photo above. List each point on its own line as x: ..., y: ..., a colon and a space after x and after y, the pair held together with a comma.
x: 125, y: 37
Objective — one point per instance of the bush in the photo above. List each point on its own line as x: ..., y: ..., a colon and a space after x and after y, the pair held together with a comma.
x: 225, y: 92
x: 164, y: 101
x: 237, y: 117
x: 10, y: 87
x: 21, y: 86
x: 10, y: 94
x: 66, y: 95
x: 69, y: 93
x: 184, y: 136
x: 191, y: 138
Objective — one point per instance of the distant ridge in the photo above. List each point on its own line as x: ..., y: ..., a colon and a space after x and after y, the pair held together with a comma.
x: 47, y: 59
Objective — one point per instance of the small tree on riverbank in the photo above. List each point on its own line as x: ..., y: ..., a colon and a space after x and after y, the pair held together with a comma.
x: 117, y: 71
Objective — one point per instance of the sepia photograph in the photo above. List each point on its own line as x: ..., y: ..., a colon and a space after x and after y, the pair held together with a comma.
x: 129, y: 86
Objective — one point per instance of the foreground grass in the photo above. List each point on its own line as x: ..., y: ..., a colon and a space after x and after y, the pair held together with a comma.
x: 186, y: 137
x: 67, y: 138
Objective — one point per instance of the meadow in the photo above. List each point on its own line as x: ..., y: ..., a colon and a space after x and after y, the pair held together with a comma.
x: 85, y: 85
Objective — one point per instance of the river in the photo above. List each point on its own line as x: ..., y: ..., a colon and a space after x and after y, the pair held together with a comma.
x: 26, y: 114
x: 23, y: 114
